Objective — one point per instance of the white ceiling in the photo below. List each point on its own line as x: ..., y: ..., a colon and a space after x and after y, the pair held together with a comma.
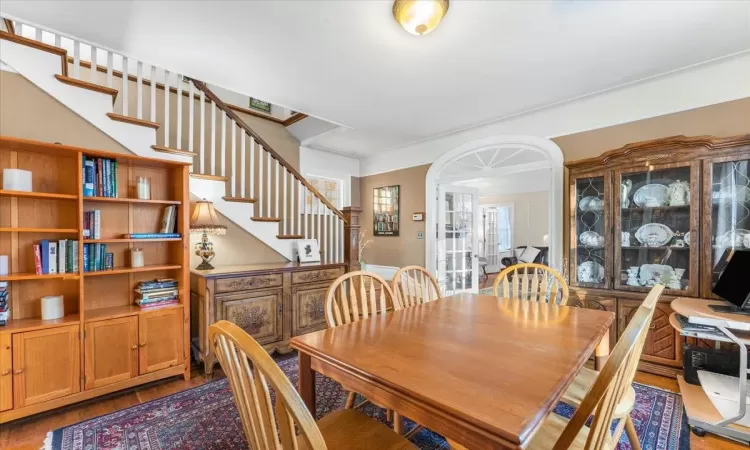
x: 350, y: 63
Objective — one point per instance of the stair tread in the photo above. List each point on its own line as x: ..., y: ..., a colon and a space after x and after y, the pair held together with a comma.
x: 133, y: 120
x: 209, y: 177
x: 290, y: 236
x: 161, y: 148
x: 265, y: 219
x: 90, y: 86
x: 239, y: 199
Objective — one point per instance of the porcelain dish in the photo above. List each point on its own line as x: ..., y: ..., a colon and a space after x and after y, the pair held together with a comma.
x: 654, y: 234
x: 590, y: 272
x: 651, y: 195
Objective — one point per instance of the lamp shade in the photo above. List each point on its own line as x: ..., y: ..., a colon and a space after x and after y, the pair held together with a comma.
x: 419, y: 17
x: 205, y: 220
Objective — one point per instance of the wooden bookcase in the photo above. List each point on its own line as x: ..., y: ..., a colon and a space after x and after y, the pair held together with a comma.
x: 105, y: 342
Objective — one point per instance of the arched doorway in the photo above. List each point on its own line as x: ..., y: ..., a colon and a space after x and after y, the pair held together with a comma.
x: 495, y: 157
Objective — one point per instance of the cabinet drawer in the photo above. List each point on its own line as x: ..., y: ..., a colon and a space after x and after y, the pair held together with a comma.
x: 248, y: 283
x: 314, y: 276
x: 257, y: 312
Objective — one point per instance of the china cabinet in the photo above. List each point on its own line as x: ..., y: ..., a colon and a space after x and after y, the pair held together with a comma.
x: 666, y: 211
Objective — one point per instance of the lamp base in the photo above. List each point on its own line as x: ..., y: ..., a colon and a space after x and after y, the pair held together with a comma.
x: 205, y: 265
x: 205, y: 249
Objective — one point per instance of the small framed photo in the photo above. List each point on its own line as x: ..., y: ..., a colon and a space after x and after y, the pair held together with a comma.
x: 307, y: 250
x: 260, y: 105
x: 418, y: 217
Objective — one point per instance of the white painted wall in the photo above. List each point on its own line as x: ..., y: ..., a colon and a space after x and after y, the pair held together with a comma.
x: 701, y: 85
x: 530, y: 215
x: 330, y: 165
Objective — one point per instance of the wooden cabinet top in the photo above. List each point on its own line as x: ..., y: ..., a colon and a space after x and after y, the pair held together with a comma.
x: 262, y: 268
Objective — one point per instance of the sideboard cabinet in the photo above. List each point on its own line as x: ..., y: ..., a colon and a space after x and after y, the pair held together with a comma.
x: 665, y: 211
x: 272, y: 302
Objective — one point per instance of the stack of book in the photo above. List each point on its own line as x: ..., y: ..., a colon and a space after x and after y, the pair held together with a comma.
x: 155, y: 293
x: 95, y: 258
x: 166, y: 229
x: 4, y: 303
x: 51, y: 257
x: 92, y: 224
x: 99, y: 177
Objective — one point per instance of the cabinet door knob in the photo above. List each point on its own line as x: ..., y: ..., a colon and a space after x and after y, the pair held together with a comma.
x: 6, y: 373
x: 135, y: 347
x: 142, y: 344
x: 18, y: 371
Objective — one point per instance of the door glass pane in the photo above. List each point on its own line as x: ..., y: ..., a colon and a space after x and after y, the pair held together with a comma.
x: 730, y: 212
x: 458, y: 235
x: 589, y: 250
x: 655, y: 223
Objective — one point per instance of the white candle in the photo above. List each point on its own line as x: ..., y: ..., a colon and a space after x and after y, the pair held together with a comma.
x: 3, y: 265
x: 136, y: 257
x: 17, y: 180
x: 52, y: 307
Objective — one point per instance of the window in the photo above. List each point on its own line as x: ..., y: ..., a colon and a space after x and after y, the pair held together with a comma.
x: 330, y: 188
x: 505, y: 227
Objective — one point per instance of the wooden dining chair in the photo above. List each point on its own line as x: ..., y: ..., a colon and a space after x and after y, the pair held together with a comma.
x: 414, y: 285
x: 268, y: 426
x: 602, y: 400
x: 586, y: 377
x: 531, y: 281
x: 352, y: 297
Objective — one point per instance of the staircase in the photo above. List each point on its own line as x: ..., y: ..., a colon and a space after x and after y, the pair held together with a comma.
x: 161, y: 114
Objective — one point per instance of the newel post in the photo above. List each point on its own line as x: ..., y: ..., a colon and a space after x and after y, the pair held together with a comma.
x: 351, y: 237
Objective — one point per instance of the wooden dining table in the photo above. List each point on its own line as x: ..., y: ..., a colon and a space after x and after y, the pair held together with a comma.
x: 481, y: 371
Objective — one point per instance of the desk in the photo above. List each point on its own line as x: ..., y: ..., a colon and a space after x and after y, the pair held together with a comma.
x: 702, y: 415
x: 483, y: 372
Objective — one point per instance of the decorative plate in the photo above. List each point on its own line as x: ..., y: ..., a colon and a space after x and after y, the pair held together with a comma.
x: 737, y: 193
x: 589, y: 238
x: 590, y: 272
x: 591, y: 203
x: 733, y: 238
x: 649, y: 272
x: 654, y: 234
x: 687, y: 239
x: 651, y: 195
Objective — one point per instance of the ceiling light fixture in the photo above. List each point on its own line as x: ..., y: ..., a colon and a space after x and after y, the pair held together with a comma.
x: 419, y: 17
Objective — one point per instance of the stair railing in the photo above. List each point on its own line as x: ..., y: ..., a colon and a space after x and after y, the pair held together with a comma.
x: 280, y: 193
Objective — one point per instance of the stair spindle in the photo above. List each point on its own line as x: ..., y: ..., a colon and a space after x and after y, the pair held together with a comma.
x: 223, y: 143
x: 191, y: 117
x: 139, y: 90
x: 304, y: 212
x: 93, y: 72
x: 294, y: 207
x: 202, y: 137
x: 125, y: 84
x: 166, y: 108
x: 326, y: 241
x: 233, y: 166
x: 269, y: 205
x: 252, y: 167
x: 153, y: 94
x: 76, y: 59
x: 243, y: 136
x: 335, y: 238
x: 179, y: 111
x: 283, y: 209
x: 58, y: 42
x: 38, y: 34
x: 260, y: 179
x: 276, y: 182
x: 212, y: 157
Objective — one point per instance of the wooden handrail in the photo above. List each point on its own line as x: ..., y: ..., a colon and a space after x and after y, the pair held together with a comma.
x: 232, y: 115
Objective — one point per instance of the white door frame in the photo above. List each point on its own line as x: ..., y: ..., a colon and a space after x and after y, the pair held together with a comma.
x: 511, y: 143
x: 444, y: 188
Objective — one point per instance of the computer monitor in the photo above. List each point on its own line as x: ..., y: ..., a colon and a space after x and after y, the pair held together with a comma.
x: 734, y: 284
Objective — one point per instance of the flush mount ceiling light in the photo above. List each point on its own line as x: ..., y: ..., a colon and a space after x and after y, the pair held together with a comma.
x: 419, y: 17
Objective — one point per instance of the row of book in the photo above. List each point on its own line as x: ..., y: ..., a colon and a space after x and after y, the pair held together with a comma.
x: 52, y: 257
x: 92, y: 224
x: 155, y: 293
x: 4, y: 303
x: 99, y: 177
x: 96, y: 258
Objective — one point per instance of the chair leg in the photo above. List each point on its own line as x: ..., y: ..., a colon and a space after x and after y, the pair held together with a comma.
x: 632, y: 435
x: 350, y: 400
x: 389, y: 415
x: 398, y: 424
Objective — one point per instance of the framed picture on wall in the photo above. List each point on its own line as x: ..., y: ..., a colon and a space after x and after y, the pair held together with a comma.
x: 260, y: 105
x: 385, y: 211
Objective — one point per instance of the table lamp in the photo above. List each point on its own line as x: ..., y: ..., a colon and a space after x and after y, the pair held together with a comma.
x: 204, y: 220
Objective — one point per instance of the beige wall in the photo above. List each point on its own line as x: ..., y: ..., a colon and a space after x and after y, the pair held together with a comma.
x: 530, y: 216
x: 404, y: 249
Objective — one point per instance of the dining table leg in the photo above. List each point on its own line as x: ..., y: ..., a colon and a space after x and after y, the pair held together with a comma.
x: 601, y: 353
x: 307, y: 382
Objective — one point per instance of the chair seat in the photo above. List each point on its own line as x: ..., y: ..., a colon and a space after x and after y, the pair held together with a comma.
x: 550, y: 431
x: 350, y: 429
x: 581, y: 385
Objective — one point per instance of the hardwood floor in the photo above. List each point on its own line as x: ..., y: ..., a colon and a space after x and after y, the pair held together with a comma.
x: 29, y: 433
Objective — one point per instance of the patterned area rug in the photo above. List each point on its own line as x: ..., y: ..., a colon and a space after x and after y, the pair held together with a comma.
x: 205, y: 418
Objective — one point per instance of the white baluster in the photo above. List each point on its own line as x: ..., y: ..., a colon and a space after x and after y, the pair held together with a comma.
x: 110, y: 63
x: 166, y: 108
x: 179, y: 111
x: 243, y: 136
x: 341, y: 233
x: 139, y: 90
x: 38, y: 34
x: 326, y: 248
x: 335, y: 238
x: 260, y: 178
x: 153, y: 94
x: 191, y: 116
x: 213, y: 138
x: 234, y: 158
x: 223, y: 143
x: 283, y: 209
x: 276, y: 182
x: 125, y: 84
x: 76, y: 59
x: 269, y: 205
x: 304, y: 212
x: 252, y: 167
x: 293, y: 207
x: 202, y: 137
x: 58, y: 43
x: 93, y: 73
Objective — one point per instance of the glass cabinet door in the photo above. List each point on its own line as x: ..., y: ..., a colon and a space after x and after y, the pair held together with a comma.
x: 727, y: 197
x: 656, y: 228
x: 590, y: 207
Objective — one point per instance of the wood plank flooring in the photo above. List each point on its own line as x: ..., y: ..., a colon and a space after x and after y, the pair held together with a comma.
x: 29, y: 433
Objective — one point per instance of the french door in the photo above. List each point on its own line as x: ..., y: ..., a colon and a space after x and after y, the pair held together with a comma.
x: 458, y: 240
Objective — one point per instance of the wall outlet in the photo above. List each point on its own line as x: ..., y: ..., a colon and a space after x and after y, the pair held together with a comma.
x: 420, y: 234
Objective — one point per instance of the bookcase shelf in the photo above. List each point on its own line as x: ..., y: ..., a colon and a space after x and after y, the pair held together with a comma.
x: 118, y: 240
x: 119, y: 270
x: 31, y: 324
x: 114, y: 312
x: 130, y: 200
x: 39, y: 230
x: 23, y: 194
x: 34, y: 276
